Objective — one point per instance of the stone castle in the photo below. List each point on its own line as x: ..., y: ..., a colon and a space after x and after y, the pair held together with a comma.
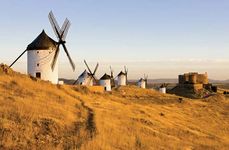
x: 193, y: 80
x: 194, y: 85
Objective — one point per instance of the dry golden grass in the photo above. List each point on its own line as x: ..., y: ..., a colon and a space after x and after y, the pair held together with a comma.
x: 37, y: 114
x: 133, y: 118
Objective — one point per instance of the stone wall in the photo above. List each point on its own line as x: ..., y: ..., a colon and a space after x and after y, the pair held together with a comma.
x: 193, y: 78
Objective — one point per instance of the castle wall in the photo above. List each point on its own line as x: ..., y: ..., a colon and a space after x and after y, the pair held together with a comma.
x: 181, y: 79
x: 192, y: 86
x: 202, y: 78
x: 186, y: 77
x: 193, y: 78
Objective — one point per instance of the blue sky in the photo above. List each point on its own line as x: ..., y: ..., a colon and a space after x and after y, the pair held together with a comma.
x: 160, y: 38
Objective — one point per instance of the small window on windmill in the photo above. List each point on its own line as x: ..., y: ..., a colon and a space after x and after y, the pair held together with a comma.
x: 37, y: 52
x: 38, y: 75
x: 38, y: 65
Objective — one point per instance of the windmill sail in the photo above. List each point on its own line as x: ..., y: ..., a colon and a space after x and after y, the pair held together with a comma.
x: 87, y: 66
x: 97, y: 65
x: 64, y: 29
x: 61, y: 35
x: 112, y: 78
x: 55, y: 57
x: 54, y: 24
x: 126, y: 72
x: 92, y: 74
x: 69, y: 57
x: 146, y: 80
x: 17, y: 58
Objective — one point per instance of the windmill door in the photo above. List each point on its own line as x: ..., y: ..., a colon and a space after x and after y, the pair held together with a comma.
x: 38, y: 75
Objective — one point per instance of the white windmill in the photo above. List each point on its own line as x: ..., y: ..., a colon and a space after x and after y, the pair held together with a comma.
x: 87, y: 78
x: 122, y: 77
x: 142, y: 83
x: 105, y: 81
x: 162, y: 88
x: 42, y: 53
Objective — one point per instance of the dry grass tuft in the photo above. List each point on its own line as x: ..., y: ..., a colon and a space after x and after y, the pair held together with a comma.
x: 4, y: 69
x: 81, y: 89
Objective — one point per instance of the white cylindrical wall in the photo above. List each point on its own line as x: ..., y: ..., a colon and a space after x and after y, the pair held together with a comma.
x: 142, y: 84
x: 81, y: 81
x: 122, y: 80
x: 39, y: 61
x: 106, y: 84
x: 91, y: 81
x: 88, y: 81
x: 162, y: 90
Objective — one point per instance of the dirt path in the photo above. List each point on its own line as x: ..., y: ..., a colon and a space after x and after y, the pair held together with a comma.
x: 90, y: 123
x: 87, y: 128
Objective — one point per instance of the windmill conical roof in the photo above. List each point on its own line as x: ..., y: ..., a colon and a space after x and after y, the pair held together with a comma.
x: 121, y: 73
x: 141, y: 80
x: 42, y: 42
x: 105, y: 77
x: 84, y: 74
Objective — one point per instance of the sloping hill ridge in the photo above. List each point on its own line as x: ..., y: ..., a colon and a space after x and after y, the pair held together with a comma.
x: 36, y: 114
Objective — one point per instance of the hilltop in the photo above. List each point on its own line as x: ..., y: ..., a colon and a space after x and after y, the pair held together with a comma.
x: 175, y: 81
x: 36, y: 114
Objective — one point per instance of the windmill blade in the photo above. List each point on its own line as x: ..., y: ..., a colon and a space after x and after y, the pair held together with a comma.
x: 146, y: 83
x: 94, y: 77
x: 97, y: 65
x: 111, y: 72
x: 55, y: 57
x: 64, y: 29
x: 75, y: 82
x: 87, y: 66
x: 69, y: 58
x: 54, y: 25
x: 17, y: 59
x: 126, y: 70
x: 112, y: 78
x: 116, y: 77
x: 60, y: 34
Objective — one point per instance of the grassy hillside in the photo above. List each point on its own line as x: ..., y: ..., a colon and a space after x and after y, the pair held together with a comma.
x: 37, y: 114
